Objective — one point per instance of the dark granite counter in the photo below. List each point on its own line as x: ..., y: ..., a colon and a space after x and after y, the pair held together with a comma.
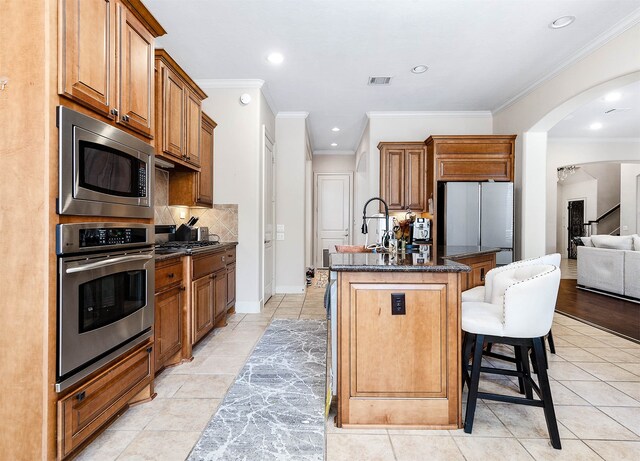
x: 385, y: 262
x: 164, y: 254
x: 464, y: 251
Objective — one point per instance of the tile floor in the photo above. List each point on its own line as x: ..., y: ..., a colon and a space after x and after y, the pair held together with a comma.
x: 595, y: 384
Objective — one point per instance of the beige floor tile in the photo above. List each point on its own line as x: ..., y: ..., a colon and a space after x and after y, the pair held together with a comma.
x: 630, y: 367
x: 588, y: 330
x: 230, y: 347
x: 560, y: 330
x: 351, y: 447
x: 561, y: 395
x: 107, y: 446
x: 314, y: 310
x: 485, y: 423
x: 160, y: 446
x: 565, y: 371
x: 572, y: 450
x: 584, y: 341
x: 291, y: 304
x: 137, y: 417
x: 632, y: 389
x: 615, y: 451
x: 629, y: 417
x: 608, y: 371
x: 591, y: 423
x: 491, y: 448
x: 212, y: 365
x: 167, y: 384
x: 617, y: 341
x: 612, y: 354
x: 288, y: 310
x: 526, y: 422
x: 599, y: 393
x: 205, y: 387
x: 282, y: 315
x: 277, y: 296
x: 183, y: 415
x: 634, y: 352
x: 415, y: 447
x: 577, y: 354
x: 294, y: 297
x: 264, y: 318
x: 235, y: 317
x: 304, y: 316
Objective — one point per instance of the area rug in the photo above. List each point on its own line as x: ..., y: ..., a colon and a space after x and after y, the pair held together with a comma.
x: 321, y: 278
x: 275, y: 408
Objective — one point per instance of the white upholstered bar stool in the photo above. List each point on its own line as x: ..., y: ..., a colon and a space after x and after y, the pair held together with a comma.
x: 520, y: 314
x: 482, y: 293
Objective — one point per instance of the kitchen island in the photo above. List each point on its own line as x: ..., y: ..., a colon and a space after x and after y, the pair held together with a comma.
x: 397, y: 340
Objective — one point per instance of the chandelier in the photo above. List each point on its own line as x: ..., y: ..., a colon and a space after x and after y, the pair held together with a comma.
x: 565, y: 171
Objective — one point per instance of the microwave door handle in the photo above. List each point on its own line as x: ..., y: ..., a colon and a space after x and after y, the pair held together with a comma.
x: 107, y: 262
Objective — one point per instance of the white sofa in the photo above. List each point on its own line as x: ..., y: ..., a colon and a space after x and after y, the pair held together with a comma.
x: 610, y: 264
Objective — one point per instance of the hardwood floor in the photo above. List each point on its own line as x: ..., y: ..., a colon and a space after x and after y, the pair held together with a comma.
x: 617, y: 315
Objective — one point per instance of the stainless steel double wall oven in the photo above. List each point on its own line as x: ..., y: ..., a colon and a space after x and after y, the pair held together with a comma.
x: 105, y: 269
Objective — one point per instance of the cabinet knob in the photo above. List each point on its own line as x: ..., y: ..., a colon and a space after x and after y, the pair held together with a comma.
x: 171, y: 275
x: 149, y: 349
x: 223, y: 259
x: 114, y: 112
x: 80, y: 396
x: 125, y: 118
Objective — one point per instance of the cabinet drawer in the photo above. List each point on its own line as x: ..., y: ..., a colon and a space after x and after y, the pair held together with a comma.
x: 86, y: 409
x: 230, y: 256
x: 168, y: 273
x: 480, y: 168
x: 207, y: 264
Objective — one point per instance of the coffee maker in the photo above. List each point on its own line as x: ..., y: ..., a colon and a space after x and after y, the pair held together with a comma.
x: 421, y: 230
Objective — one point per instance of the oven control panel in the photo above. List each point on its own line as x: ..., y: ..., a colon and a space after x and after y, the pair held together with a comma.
x: 80, y: 238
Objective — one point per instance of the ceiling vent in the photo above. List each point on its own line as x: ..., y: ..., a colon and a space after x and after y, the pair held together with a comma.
x: 621, y: 109
x: 379, y: 80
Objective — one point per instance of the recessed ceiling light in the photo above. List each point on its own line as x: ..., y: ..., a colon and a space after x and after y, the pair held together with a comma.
x: 335, y: 128
x: 564, y: 21
x: 419, y: 69
x: 595, y: 126
x: 613, y: 96
x: 333, y: 144
x: 275, y: 58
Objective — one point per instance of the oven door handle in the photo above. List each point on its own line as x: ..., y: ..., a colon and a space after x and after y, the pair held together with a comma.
x: 107, y: 262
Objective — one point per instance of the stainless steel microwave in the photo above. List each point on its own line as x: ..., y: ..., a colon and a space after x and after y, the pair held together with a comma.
x: 103, y: 171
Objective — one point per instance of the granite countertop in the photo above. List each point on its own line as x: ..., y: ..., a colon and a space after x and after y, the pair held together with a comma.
x: 465, y: 251
x: 179, y: 252
x: 384, y: 262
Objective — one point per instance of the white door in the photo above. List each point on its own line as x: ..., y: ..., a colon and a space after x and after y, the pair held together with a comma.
x: 333, y: 206
x: 269, y: 212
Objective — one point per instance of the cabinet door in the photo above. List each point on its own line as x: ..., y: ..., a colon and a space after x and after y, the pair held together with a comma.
x: 202, y: 307
x: 135, y: 73
x: 231, y: 285
x: 193, y: 117
x: 205, y: 176
x: 168, y: 325
x: 220, y: 302
x: 172, y: 113
x: 415, y: 188
x: 87, y: 55
x: 394, y: 187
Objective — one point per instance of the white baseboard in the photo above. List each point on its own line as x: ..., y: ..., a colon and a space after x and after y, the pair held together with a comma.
x: 293, y: 289
x: 248, y: 307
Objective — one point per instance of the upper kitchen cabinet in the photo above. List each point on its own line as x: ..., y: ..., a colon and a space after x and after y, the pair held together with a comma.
x: 106, y: 59
x: 403, y: 175
x: 190, y: 188
x: 178, y: 113
x: 472, y: 158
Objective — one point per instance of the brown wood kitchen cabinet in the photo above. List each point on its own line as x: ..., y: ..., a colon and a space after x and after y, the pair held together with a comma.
x: 231, y: 280
x: 178, y: 113
x: 190, y: 188
x: 480, y: 265
x: 168, y: 321
x: 403, y: 175
x: 209, y: 293
x: 472, y: 158
x: 106, y: 59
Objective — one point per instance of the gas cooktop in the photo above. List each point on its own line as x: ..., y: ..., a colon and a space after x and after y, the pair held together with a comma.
x: 188, y: 247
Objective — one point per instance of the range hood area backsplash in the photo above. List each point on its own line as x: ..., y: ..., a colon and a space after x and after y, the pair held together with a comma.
x: 221, y: 219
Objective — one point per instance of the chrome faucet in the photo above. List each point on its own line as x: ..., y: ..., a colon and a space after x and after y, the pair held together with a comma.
x: 365, y: 229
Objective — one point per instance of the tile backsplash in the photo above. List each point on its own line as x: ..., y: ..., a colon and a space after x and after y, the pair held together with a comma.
x: 221, y: 219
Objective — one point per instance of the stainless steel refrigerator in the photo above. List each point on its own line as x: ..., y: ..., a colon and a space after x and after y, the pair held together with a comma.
x: 478, y: 213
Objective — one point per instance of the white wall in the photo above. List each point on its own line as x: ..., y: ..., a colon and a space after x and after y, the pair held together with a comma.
x: 587, y: 190
x: 291, y: 160
x: 361, y: 185
x: 238, y: 178
x: 629, y: 198
x: 615, y: 63
x: 562, y: 152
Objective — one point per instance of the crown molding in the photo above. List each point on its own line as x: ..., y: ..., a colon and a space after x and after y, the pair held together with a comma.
x: 586, y: 140
x: 333, y: 152
x: 601, y: 40
x: 230, y: 83
x: 442, y: 113
x: 292, y: 115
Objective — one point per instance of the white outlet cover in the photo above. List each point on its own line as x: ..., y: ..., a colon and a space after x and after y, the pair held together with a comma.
x: 280, y: 228
x: 280, y: 236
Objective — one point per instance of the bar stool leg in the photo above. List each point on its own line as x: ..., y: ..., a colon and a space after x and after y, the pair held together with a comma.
x: 552, y: 346
x: 545, y: 390
x: 473, y: 385
x: 467, y: 344
x: 523, y: 360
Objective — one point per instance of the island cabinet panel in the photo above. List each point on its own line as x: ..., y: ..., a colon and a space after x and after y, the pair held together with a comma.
x: 399, y: 370
x: 415, y: 364
x: 480, y: 265
x: 202, y: 307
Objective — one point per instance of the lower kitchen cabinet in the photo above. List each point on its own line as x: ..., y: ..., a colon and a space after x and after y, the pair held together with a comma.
x: 479, y: 265
x: 220, y: 297
x: 85, y: 409
x: 202, y: 307
x: 168, y: 325
x: 231, y: 286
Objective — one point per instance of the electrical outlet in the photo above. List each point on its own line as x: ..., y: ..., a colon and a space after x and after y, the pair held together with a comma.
x: 183, y: 214
x: 280, y: 228
x: 279, y: 235
x: 397, y: 304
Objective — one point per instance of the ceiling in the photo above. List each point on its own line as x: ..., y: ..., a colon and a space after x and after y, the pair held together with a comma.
x: 622, y: 122
x: 481, y: 54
